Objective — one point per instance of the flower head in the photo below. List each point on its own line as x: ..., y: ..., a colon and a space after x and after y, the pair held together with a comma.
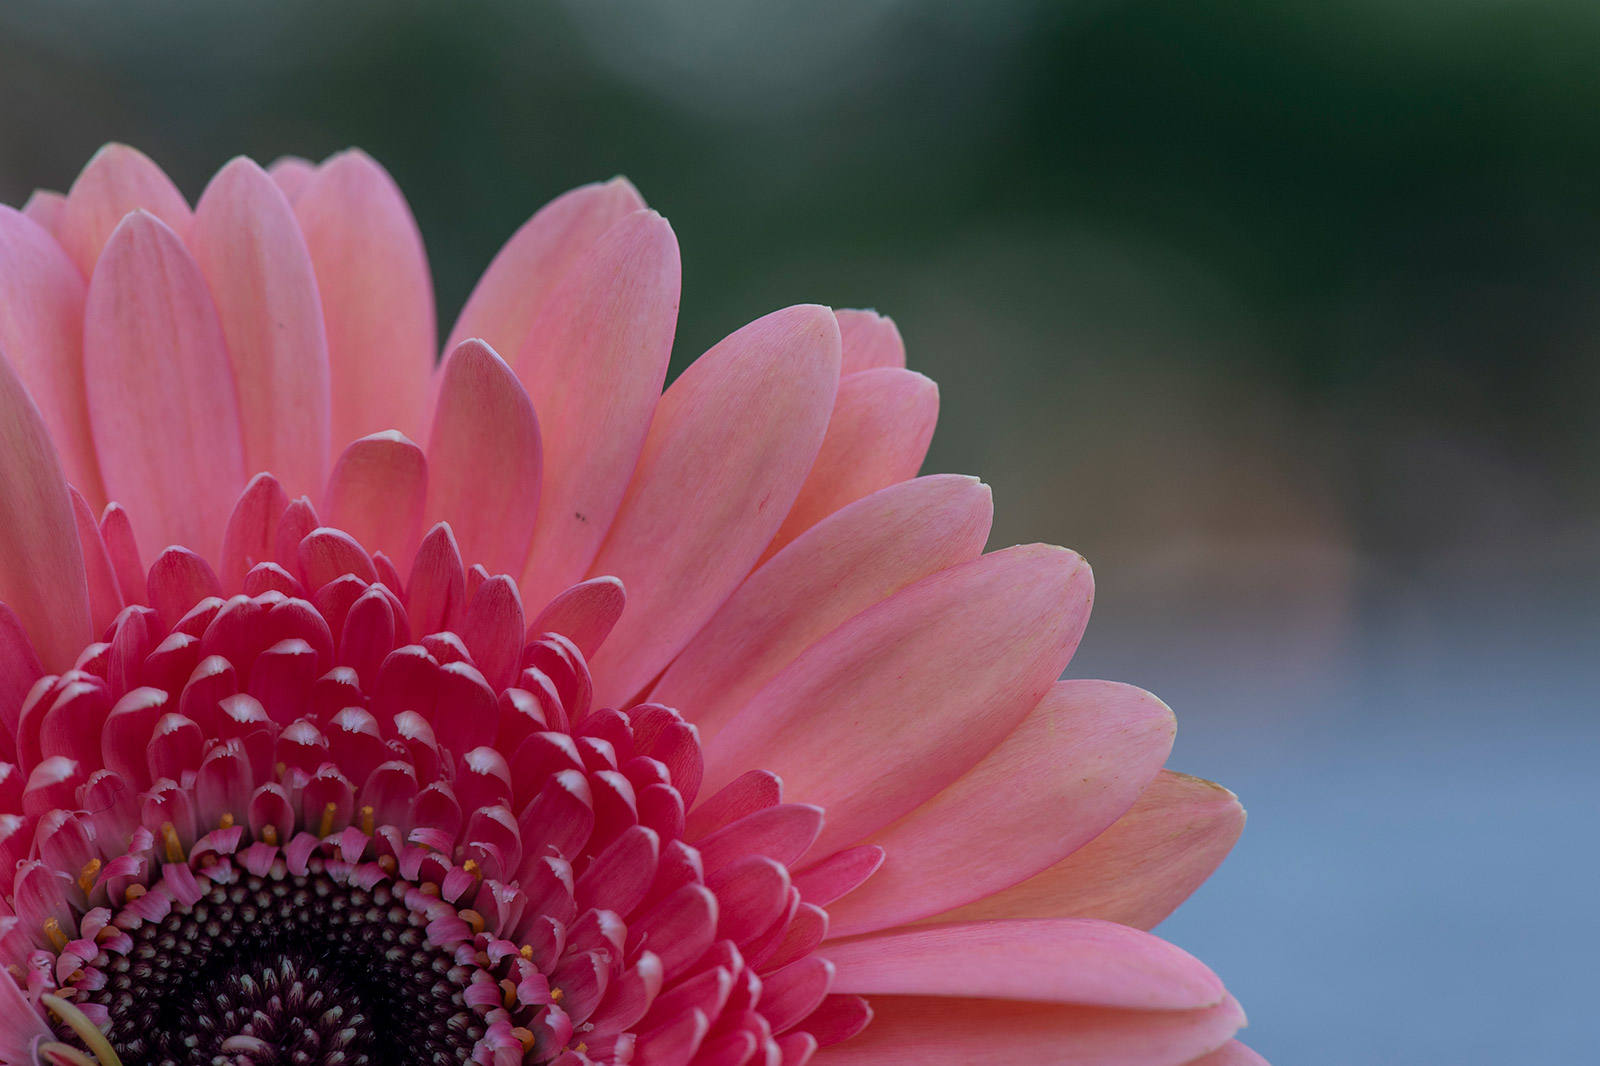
x: 517, y: 711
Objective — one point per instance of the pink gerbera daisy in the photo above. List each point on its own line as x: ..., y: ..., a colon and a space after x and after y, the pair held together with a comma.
x: 512, y: 710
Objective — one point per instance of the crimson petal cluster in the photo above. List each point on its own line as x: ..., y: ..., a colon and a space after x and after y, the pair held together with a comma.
x: 609, y: 725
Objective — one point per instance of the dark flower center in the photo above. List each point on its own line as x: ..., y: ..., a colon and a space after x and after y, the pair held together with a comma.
x: 298, y: 970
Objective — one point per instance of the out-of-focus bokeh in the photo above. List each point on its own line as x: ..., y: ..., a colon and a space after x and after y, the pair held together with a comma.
x: 1285, y: 314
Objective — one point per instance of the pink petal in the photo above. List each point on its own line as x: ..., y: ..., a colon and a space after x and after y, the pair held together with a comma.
x: 1074, y: 765
x: 255, y: 262
x: 161, y: 392
x: 1232, y: 1053
x: 937, y: 1031
x: 882, y: 423
x: 251, y: 536
x: 19, y: 669
x: 869, y: 340
x: 485, y: 459
x: 1054, y: 960
x: 41, y: 567
x: 593, y: 365
x: 727, y: 452
x: 876, y: 717
x: 436, y: 594
x: 179, y: 579
x: 116, y: 531
x: 584, y: 614
x: 116, y: 181
x: 1140, y: 869
x: 41, y: 332
x: 44, y: 206
x: 376, y: 494
x: 21, y: 1027
x: 105, y: 597
x: 291, y: 173
x: 377, y: 297
x: 834, y: 571
x: 514, y: 290
x: 493, y: 629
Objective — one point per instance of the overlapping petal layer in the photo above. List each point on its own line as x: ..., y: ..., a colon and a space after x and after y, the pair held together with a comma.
x: 682, y: 728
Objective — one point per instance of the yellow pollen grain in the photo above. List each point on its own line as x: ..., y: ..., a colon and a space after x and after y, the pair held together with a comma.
x: 329, y: 812
x: 526, y: 951
x: 471, y: 866
x: 369, y: 820
x: 556, y: 994
x: 474, y: 920
x: 170, y: 841
x: 53, y: 933
x: 134, y: 892
x: 269, y: 835
x: 226, y: 821
x: 86, y: 876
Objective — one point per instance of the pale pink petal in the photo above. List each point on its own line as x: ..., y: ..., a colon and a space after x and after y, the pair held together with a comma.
x: 485, y: 459
x: 255, y: 262
x: 1075, y: 764
x: 377, y: 296
x: 1140, y: 869
x: 41, y: 331
x: 1232, y: 1053
x: 376, y: 494
x: 593, y: 365
x: 886, y: 710
x: 1054, y: 960
x: 116, y: 181
x: 728, y: 449
x: 513, y: 291
x: 878, y: 435
x: 41, y: 568
x: 291, y: 173
x: 161, y: 392
x: 869, y: 340
x: 45, y: 207
x: 852, y: 559
x: 116, y: 532
x: 105, y: 596
x: 584, y: 613
x: 937, y: 1031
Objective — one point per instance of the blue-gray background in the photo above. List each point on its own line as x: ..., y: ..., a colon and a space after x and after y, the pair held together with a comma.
x: 1285, y: 313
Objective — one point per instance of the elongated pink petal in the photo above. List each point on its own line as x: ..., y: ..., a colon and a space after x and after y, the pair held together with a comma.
x: 41, y: 569
x: 45, y: 206
x: 116, y: 181
x: 1232, y: 1053
x: 41, y: 331
x: 21, y: 1028
x: 869, y: 340
x: 1075, y: 764
x: 1053, y: 960
x: 19, y: 669
x: 376, y: 494
x: 251, y: 536
x: 116, y: 532
x: 513, y: 291
x: 584, y: 613
x: 377, y: 296
x: 593, y: 365
x: 291, y: 173
x: 878, y: 435
x: 854, y: 558
x: 105, y: 596
x: 901, y: 700
x: 255, y: 262
x: 485, y: 459
x: 727, y: 452
x: 1138, y: 870
x: 161, y: 392
x: 938, y: 1031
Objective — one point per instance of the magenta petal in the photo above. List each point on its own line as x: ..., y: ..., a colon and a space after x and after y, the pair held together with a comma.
x: 41, y: 567
x: 116, y: 181
x: 834, y: 571
x: 727, y: 452
x: 1074, y: 765
x: 485, y: 459
x: 878, y: 435
x: 376, y: 493
x: 251, y: 253
x: 880, y: 714
x: 377, y: 296
x: 42, y: 334
x: 161, y: 391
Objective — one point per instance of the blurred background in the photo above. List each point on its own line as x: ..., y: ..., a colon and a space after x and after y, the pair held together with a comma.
x: 1285, y: 314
